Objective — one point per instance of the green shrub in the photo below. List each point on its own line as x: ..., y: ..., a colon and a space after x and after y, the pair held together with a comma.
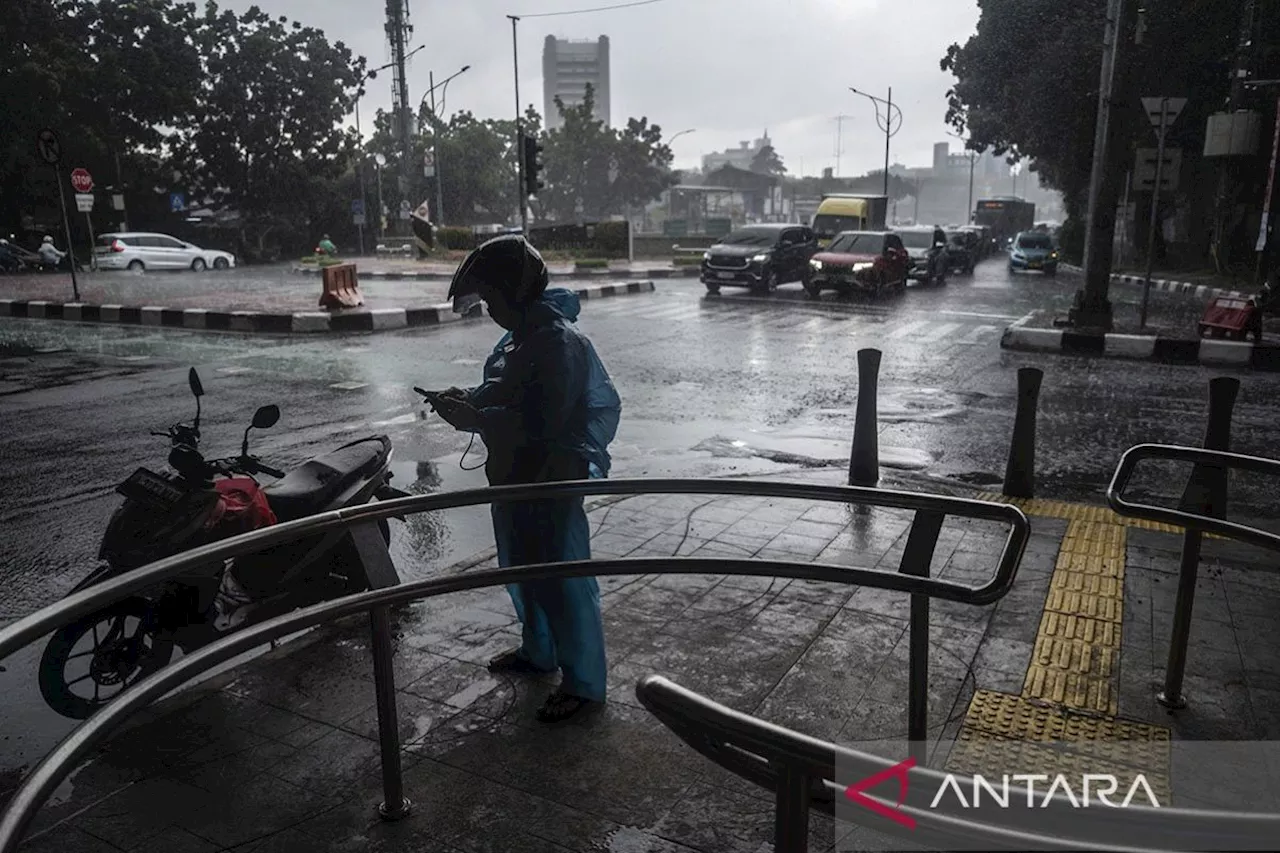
x: 591, y: 263
x: 687, y: 260
x: 611, y: 239
x: 455, y: 237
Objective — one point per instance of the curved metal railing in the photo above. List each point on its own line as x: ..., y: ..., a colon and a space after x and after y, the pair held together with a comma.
x: 1206, y: 459
x: 930, y: 511
x: 1208, y: 483
x: 801, y: 772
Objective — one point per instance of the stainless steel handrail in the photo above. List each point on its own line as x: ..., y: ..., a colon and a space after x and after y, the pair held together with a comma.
x: 1209, y: 479
x: 801, y: 771
x: 54, y: 768
x: 35, y: 625
x: 1180, y: 518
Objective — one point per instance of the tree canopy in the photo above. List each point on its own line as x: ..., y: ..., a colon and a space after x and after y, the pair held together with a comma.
x: 767, y: 162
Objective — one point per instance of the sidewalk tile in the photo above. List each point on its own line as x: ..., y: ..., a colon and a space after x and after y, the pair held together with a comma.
x: 138, y: 814
x: 66, y: 839
x: 713, y: 818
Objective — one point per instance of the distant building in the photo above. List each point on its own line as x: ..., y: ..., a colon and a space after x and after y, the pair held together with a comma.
x: 568, y: 67
x: 739, y: 158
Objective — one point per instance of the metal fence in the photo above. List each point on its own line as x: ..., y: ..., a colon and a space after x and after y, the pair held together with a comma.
x: 913, y: 578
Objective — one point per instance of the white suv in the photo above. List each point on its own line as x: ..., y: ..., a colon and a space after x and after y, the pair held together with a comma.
x: 137, y: 250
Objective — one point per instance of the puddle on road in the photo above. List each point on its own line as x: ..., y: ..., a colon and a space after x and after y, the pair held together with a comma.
x: 915, y: 405
x: 821, y: 452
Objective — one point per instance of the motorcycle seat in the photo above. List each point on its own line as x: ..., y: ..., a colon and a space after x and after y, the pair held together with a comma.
x: 311, y: 487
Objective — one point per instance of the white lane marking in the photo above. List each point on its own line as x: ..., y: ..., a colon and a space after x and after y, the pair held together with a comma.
x: 940, y: 331
x: 907, y: 330
x: 134, y: 357
x: 348, y: 386
x: 402, y: 419
x: 980, y: 316
x: 234, y: 369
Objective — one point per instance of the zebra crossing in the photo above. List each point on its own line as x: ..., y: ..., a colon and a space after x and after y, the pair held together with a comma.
x: 874, y: 322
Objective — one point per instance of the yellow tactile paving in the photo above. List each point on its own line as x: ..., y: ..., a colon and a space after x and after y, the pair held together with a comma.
x: 1065, y: 720
x: 1004, y: 734
x: 1076, y: 512
x: 1077, y: 648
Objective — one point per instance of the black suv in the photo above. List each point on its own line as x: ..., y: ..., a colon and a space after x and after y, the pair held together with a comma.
x: 760, y: 257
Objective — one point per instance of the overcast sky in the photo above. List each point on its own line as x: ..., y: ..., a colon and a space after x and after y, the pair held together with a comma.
x: 730, y: 69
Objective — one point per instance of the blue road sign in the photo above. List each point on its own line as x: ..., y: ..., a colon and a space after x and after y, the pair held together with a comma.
x: 177, y: 202
x: 357, y: 207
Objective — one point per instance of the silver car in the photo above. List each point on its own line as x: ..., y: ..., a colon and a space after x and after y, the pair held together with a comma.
x: 139, y: 250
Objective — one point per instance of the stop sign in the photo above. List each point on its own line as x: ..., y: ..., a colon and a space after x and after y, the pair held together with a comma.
x: 81, y: 180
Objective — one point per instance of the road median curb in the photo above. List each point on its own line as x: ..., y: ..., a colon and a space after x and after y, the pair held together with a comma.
x: 1202, y: 291
x: 1210, y: 352
x: 266, y: 322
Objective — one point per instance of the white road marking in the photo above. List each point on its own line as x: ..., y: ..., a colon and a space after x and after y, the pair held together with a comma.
x: 234, y: 369
x: 402, y: 419
x: 908, y: 330
x: 981, y: 316
x: 348, y: 386
x: 940, y: 331
x: 978, y: 333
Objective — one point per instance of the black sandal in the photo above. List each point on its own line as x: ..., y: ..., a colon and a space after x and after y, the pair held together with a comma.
x: 560, y: 706
x: 513, y: 661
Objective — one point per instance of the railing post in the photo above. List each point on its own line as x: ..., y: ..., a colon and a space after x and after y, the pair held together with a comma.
x: 916, y: 559
x: 864, y: 460
x: 394, y: 805
x: 1205, y: 494
x: 1020, y: 471
x: 791, y: 811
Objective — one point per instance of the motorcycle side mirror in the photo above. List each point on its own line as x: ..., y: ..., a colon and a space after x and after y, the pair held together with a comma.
x: 265, y: 418
x: 193, y: 380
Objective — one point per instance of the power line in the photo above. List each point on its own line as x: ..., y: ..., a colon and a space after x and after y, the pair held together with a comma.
x: 596, y: 9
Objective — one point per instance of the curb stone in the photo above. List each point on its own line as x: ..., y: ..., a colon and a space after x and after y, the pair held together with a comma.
x: 262, y: 322
x: 1205, y: 351
x: 1202, y: 291
x: 629, y: 272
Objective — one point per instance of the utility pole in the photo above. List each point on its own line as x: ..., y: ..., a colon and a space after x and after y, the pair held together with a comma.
x: 519, y: 143
x: 398, y: 32
x: 840, y: 120
x: 1162, y: 129
x: 888, y: 123
x: 1092, y: 307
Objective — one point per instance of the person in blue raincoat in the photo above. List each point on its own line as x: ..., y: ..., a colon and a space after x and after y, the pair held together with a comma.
x: 547, y: 411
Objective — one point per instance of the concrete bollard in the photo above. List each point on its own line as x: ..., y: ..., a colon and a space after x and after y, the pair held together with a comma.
x: 1020, y: 471
x: 864, y: 461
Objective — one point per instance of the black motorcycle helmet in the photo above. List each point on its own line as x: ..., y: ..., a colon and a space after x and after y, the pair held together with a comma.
x: 507, y: 263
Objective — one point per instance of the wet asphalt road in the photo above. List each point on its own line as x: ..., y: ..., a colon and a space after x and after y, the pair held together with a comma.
x: 710, y: 385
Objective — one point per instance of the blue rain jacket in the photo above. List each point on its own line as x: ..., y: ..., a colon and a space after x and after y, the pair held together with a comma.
x: 548, y: 411
x: 603, y: 406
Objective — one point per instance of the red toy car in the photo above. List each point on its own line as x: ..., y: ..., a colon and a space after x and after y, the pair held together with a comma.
x: 1232, y: 317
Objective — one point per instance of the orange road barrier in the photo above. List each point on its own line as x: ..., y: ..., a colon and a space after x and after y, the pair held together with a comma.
x: 340, y: 287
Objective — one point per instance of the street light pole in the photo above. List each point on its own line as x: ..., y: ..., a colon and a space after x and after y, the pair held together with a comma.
x: 887, y: 125
x: 435, y: 134
x: 515, y: 65
x: 1092, y: 307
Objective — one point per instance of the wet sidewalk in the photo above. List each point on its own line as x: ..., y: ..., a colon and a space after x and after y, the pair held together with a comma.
x: 282, y: 754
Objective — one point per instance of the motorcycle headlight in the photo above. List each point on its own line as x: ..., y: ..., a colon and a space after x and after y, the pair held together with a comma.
x: 817, y: 265
x: 1053, y: 255
x: 862, y: 267
x: 760, y: 258
x: 706, y: 256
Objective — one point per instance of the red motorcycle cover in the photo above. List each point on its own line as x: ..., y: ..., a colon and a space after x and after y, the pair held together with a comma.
x: 242, y: 506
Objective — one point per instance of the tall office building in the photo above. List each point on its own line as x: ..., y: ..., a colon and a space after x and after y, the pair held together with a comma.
x: 567, y: 68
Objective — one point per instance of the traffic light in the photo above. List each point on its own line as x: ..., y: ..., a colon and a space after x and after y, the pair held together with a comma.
x: 532, y: 165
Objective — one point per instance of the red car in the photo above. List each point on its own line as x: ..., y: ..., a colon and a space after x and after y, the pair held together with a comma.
x: 873, y: 262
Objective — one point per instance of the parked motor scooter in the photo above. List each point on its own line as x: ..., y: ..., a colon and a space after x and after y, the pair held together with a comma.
x: 89, y: 662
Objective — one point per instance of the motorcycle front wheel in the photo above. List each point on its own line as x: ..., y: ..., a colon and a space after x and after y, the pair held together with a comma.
x: 88, y: 663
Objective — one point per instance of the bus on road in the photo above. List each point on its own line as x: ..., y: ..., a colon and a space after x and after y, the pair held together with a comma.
x: 1006, y: 216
